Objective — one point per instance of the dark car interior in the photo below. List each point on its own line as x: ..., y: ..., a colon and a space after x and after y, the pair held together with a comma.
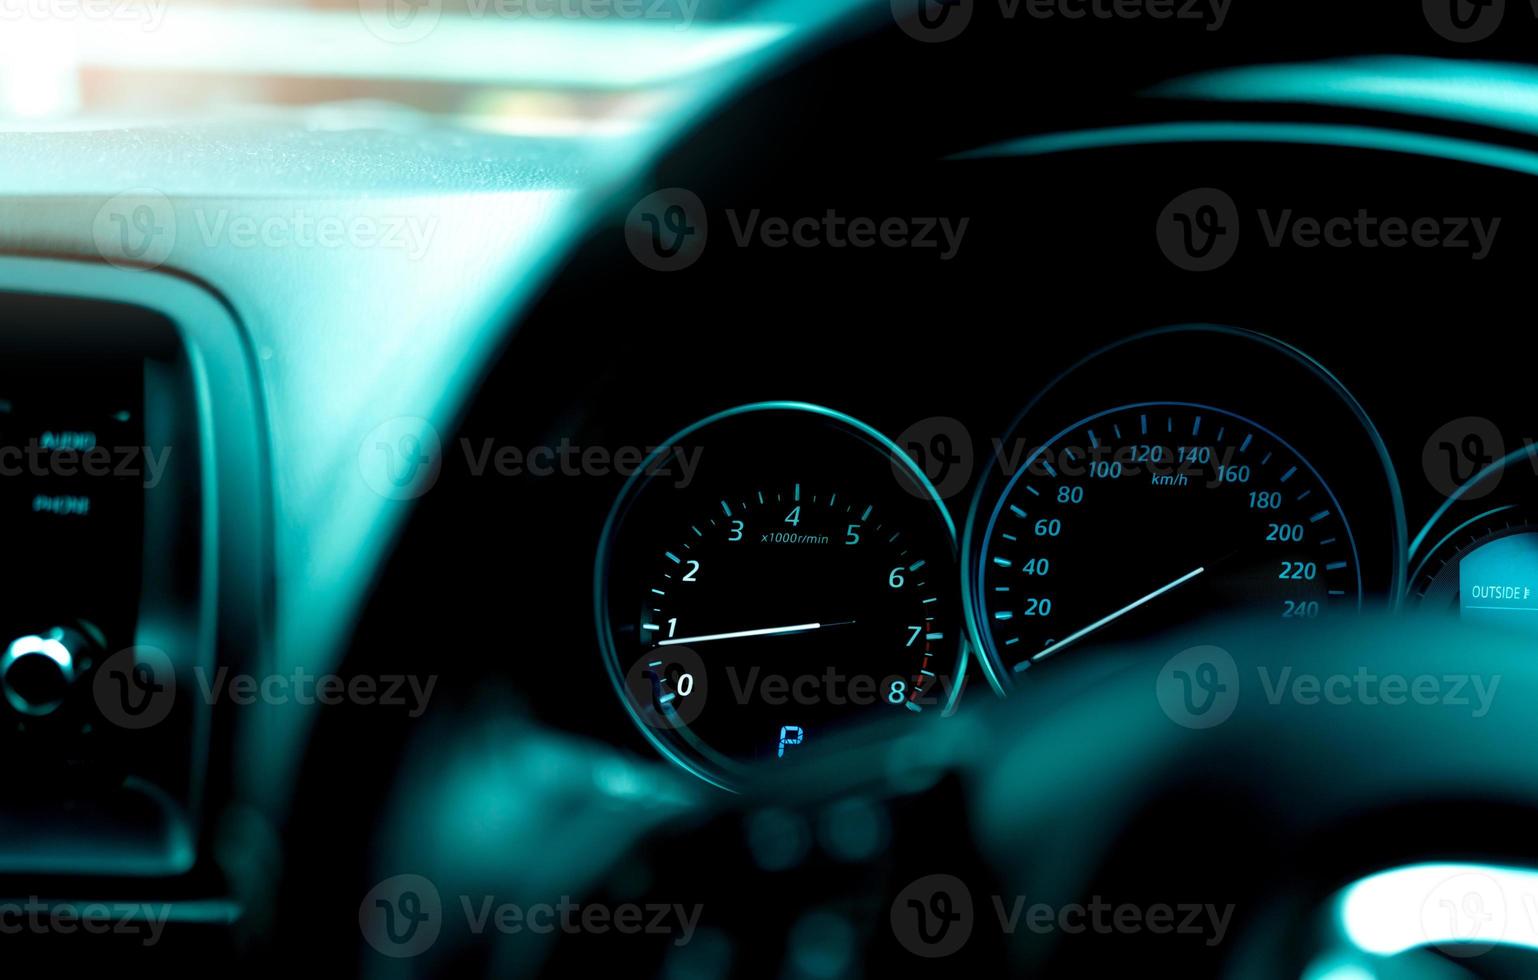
x: 723, y: 489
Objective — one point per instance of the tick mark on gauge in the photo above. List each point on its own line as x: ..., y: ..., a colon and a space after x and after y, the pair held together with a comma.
x: 725, y: 509
x: 676, y: 560
x: 1334, y: 566
x: 1319, y: 517
x: 1288, y: 475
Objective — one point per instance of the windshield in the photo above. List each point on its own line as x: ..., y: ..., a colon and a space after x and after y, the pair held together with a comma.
x: 530, y: 67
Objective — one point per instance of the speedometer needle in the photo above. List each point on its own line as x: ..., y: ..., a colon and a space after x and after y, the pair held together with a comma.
x: 1081, y: 634
x: 771, y: 631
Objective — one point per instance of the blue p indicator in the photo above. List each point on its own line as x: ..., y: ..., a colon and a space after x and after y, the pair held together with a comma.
x: 790, y: 735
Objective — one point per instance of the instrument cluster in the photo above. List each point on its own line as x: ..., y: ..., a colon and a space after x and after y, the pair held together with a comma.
x: 813, y: 576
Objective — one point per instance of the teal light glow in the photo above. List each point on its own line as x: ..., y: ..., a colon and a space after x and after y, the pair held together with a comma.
x: 822, y: 945
x: 1446, y: 537
x: 1302, y: 134
x: 50, y: 645
x: 1438, y: 905
x: 1338, y: 970
x: 204, y: 912
x: 1526, y: 453
x: 1498, y: 95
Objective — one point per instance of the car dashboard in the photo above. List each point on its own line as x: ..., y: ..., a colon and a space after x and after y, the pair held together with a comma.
x: 948, y: 462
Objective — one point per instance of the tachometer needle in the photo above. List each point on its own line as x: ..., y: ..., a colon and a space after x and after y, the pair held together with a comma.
x: 772, y: 631
x: 1104, y: 620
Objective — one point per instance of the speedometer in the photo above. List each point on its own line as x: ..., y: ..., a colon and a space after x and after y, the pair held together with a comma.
x: 1145, y: 515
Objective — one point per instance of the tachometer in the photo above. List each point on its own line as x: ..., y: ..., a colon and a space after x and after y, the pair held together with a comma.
x: 805, y: 578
